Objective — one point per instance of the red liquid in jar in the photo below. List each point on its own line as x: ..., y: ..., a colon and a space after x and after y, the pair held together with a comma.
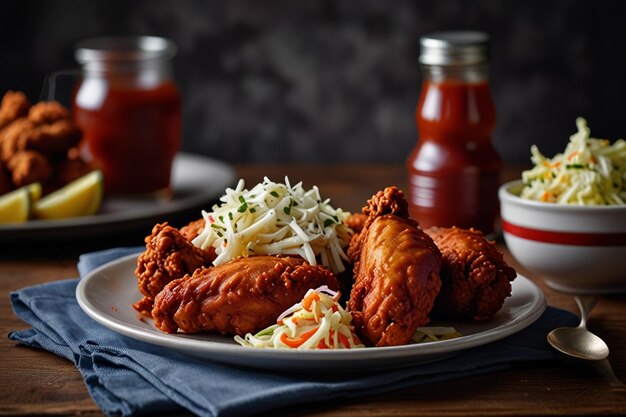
x: 132, y: 134
x: 454, y: 168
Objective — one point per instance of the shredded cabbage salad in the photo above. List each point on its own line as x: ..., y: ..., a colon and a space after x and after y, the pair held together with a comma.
x: 317, y: 322
x: 589, y: 172
x: 274, y: 218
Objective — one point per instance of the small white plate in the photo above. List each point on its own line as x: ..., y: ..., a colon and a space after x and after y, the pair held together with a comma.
x: 107, y: 295
x: 196, y: 181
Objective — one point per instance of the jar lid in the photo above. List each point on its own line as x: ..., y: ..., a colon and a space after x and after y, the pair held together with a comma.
x: 124, y: 48
x: 454, y: 48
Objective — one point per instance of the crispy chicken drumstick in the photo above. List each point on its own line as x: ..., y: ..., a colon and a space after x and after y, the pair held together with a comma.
x: 396, y: 272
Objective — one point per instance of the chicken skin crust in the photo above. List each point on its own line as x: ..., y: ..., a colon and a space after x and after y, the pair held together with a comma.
x: 193, y: 229
x: 242, y: 296
x: 396, y: 273
x: 475, y: 278
x: 168, y: 256
x: 14, y: 105
x: 28, y: 167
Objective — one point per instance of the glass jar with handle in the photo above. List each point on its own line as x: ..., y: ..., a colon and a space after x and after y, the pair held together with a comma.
x: 129, y: 109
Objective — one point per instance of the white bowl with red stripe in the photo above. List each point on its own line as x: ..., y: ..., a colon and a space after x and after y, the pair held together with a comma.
x: 578, y: 249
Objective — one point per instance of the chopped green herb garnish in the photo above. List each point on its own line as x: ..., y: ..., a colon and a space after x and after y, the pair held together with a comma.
x: 575, y: 166
x: 244, y: 205
x: 328, y: 222
x: 287, y: 209
x: 274, y: 193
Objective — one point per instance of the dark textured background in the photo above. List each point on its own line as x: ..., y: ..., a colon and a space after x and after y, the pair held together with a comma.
x: 334, y: 80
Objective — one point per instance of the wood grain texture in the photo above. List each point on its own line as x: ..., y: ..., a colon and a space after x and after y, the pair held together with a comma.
x: 35, y: 382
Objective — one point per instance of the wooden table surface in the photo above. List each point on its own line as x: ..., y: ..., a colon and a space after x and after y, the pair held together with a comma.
x: 35, y: 382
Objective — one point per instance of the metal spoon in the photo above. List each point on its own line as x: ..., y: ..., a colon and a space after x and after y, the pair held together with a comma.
x: 578, y: 342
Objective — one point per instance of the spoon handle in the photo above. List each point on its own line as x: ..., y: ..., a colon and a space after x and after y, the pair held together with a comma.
x: 585, y: 304
x: 604, y: 367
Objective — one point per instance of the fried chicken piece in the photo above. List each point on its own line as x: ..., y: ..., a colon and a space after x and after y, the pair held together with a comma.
x: 15, y: 136
x: 193, y: 229
x: 396, y: 272
x: 46, y: 112
x: 242, y: 296
x: 27, y: 167
x: 14, y: 105
x: 356, y: 222
x: 475, y: 278
x: 54, y: 139
x: 168, y: 256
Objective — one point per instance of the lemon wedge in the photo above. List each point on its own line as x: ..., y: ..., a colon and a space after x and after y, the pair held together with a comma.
x: 15, y: 206
x: 81, y: 197
x: 35, y: 191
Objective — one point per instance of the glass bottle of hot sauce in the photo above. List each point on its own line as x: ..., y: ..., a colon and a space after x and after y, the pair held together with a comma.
x: 453, y: 171
x: 129, y: 109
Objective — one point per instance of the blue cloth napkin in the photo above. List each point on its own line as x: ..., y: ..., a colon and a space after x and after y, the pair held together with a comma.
x: 129, y: 377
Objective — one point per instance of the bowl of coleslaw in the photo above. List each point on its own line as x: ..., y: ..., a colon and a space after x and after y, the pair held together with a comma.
x: 565, y: 219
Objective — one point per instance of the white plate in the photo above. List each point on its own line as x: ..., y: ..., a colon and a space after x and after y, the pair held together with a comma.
x: 107, y: 295
x: 196, y: 180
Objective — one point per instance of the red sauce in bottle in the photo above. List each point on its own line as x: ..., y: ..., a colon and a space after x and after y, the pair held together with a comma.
x: 133, y: 136
x: 454, y: 169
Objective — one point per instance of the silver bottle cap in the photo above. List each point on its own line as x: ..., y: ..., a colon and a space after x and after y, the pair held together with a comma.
x: 454, y: 48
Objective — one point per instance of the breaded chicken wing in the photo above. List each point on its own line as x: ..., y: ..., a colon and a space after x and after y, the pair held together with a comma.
x: 48, y: 112
x: 356, y: 222
x: 475, y: 278
x: 241, y: 296
x: 193, y: 229
x: 28, y: 167
x: 396, y: 272
x: 13, y: 106
x: 168, y: 256
x: 39, y: 143
x: 53, y: 139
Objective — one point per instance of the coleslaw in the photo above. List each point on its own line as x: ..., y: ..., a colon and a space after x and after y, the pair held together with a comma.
x: 589, y: 172
x: 317, y: 322
x: 274, y: 218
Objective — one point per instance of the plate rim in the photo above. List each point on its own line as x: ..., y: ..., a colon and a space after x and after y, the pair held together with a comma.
x: 8, y: 232
x: 229, y: 352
